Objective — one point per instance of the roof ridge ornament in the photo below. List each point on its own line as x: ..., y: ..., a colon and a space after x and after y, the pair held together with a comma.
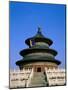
x: 39, y: 30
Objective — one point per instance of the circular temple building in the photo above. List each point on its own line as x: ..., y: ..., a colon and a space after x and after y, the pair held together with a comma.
x: 38, y: 56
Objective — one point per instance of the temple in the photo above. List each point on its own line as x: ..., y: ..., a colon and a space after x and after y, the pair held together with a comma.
x: 38, y: 56
x: 38, y: 66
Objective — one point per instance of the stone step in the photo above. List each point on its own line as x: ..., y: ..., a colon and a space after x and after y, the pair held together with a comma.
x: 38, y: 79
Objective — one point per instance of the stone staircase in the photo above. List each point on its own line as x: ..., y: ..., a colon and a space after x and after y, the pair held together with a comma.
x: 38, y: 79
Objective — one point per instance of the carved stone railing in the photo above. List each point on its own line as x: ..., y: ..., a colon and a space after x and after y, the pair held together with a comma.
x: 56, y: 76
x: 29, y: 78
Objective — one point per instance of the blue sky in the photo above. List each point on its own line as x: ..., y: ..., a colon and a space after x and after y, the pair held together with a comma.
x: 24, y: 21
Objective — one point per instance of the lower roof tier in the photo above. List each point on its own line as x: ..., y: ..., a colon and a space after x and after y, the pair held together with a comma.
x: 22, y: 62
x: 34, y: 50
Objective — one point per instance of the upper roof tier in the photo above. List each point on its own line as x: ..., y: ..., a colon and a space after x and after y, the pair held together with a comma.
x: 39, y: 37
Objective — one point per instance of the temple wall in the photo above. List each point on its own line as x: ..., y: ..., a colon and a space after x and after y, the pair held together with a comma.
x: 41, y: 63
x: 41, y: 54
x: 42, y: 44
